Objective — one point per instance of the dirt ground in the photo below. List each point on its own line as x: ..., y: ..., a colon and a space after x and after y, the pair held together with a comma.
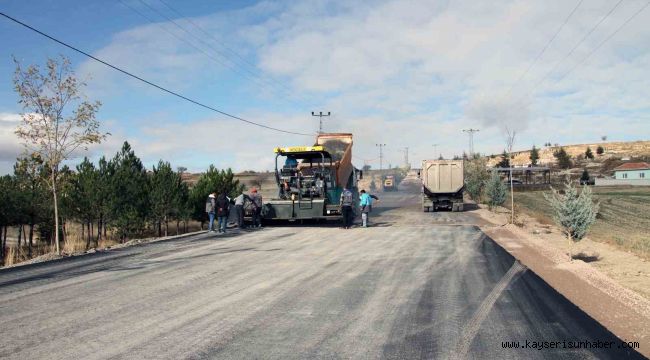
x: 623, y: 219
x: 610, y: 284
x: 626, y: 268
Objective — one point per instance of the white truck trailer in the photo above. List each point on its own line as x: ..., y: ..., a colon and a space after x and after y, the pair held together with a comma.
x: 443, y: 183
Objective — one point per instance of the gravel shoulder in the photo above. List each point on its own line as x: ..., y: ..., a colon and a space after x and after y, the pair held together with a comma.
x: 620, y: 302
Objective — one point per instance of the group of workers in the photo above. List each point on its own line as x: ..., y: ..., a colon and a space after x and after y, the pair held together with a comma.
x: 347, y: 207
x: 219, y: 206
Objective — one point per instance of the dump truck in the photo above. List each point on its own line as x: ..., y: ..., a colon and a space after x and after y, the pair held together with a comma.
x: 389, y: 183
x: 442, y: 185
x: 310, y: 179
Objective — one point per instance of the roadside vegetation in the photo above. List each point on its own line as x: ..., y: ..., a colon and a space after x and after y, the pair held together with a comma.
x: 103, y: 203
x: 623, y: 218
x: 573, y: 211
x: 623, y: 213
x: 47, y: 206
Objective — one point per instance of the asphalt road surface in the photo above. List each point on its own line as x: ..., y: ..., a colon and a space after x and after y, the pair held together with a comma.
x: 414, y: 285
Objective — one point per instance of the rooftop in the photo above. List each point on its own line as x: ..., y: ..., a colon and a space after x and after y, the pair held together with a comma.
x: 633, y: 166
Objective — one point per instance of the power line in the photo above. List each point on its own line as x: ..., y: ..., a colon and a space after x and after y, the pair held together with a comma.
x: 609, y: 37
x: 541, y: 53
x: 215, y: 40
x: 159, y: 87
x: 594, y: 50
x: 242, y: 71
x: 543, y: 78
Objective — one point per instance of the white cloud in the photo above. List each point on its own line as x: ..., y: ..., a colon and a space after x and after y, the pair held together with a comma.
x: 406, y: 74
x: 10, y: 146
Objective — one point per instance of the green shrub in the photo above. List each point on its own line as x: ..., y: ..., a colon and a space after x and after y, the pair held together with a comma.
x: 476, y: 176
x: 495, y: 190
x: 573, y: 211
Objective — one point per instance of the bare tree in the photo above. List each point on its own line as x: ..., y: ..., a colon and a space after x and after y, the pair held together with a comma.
x: 49, y: 127
x: 510, y: 141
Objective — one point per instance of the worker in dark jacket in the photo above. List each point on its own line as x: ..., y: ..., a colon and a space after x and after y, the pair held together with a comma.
x: 223, y: 209
x: 256, y: 202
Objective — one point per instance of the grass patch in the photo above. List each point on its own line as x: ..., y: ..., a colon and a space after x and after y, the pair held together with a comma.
x: 623, y: 219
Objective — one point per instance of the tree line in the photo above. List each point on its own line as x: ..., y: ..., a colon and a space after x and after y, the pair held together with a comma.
x: 115, y: 197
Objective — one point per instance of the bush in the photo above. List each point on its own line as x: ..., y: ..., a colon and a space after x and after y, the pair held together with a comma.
x: 574, y: 212
x: 600, y: 150
x: 495, y: 190
x: 476, y: 176
x: 589, y: 154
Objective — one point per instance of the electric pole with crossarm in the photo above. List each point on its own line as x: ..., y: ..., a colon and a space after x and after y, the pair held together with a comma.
x: 320, y: 118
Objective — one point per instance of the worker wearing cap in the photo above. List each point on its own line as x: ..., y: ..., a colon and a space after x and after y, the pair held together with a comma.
x: 347, y: 201
x: 256, y: 200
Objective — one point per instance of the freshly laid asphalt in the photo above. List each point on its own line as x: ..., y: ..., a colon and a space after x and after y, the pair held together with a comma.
x: 414, y: 285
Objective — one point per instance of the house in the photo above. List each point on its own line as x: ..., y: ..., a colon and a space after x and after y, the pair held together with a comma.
x: 633, y: 171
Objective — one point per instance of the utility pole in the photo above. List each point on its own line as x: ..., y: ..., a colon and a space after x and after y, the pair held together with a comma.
x: 406, y: 157
x: 320, y: 118
x: 435, y: 150
x: 471, y: 140
x: 381, y: 155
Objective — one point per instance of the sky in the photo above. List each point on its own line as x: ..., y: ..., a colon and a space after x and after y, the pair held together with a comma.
x: 402, y: 73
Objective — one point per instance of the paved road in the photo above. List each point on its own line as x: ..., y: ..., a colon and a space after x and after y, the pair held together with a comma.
x: 415, y: 285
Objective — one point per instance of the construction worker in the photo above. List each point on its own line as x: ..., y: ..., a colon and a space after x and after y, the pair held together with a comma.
x: 256, y: 200
x: 223, y: 209
x: 239, y: 209
x: 347, y: 201
x: 364, y: 203
x: 210, y: 207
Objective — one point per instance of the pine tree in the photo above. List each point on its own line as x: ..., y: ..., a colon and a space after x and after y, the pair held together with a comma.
x: 574, y: 212
x: 8, y: 209
x: 183, y: 205
x: 589, y: 154
x: 563, y: 159
x: 104, y: 171
x: 30, y: 174
x: 128, y: 201
x: 534, y: 156
x: 495, y: 190
x: 164, y: 195
x: 84, y: 197
x: 505, y: 160
x: 584, y: 178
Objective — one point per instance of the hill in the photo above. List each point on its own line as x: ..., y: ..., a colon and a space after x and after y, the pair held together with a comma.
x: 614, y: 152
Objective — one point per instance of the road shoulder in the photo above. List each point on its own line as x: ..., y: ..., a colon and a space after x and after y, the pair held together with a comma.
x: 624, y: 312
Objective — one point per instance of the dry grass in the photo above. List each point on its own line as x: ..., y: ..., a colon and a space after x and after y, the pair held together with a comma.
x: 73, y: 244
x: 623, y: 220
x: 17, y: 255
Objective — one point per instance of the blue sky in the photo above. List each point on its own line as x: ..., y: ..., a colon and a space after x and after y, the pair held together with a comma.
x: 404, y: 73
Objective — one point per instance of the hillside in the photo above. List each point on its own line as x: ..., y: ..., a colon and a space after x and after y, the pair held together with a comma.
x: 613, y: 150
